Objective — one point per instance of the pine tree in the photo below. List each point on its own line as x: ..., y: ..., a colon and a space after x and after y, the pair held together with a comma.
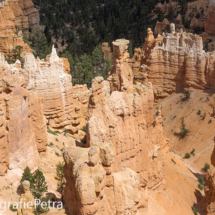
x: 184, y: 130
x: 60, y: 177
x: 97, y: 58
x: 27, y: 175
x: 40, y: 187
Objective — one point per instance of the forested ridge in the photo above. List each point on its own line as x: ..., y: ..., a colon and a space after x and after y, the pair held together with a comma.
x: 82, y: 25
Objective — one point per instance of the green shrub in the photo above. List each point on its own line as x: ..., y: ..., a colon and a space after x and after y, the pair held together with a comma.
x: 201, y: 181
x: 201, y: 187
x: 192, y: 152
x: 173, y: 161
x: 199, y: 112
x: 194, y: 210
x: 187, y: 155
x: 184, y: 130
x: 13, y: 208
x: 56, y: 140
x: 51, y: 144
x: 53, y: 132
x: 57, y: 154
x: 210, y: 121
x: 187, y: 94
x: 157, y: 112
x: 60, y: 177
x: 204, y: 116
x: 83, y: 128
x: 207, y: 166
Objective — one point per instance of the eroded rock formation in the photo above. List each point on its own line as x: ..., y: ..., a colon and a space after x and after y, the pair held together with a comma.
x: 175, y: 61
x: 106, y: 51
x: 27, y: 203
x: 92, y: 187
x: 50, y: 82
x: 81, y: 95
x: 23, y: 125
x: 121, y: 78
x: 161, y: 26
x: 127, y: 146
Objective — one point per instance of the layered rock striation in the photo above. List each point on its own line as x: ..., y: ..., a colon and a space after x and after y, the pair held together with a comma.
x: 51, y: 81
x: 176, y: 61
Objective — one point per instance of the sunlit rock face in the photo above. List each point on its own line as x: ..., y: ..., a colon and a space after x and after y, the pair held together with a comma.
x: 172, y: 62
x: 64, y: 106
x: 125, y: 147
x: 23, y: 125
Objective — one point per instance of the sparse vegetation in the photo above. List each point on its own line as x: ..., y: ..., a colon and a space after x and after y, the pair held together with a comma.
x: 53, y: 132
x: 199, y: 112
x: 210, y: 121
x: 157, y: 112
x: 194, y: 210
x: 56, y: 140
x: 200, y: 186
x: 187, y: 155
x: 60, y: 176
x: 84, y: 128
x: 204, y: 116
x: 173, y: 161
x: 57, y: 154
x: 50, y: 144
x: 184, y: 130
x: 193, y: 152
x: 13, y: 208
x: 201, y: 181
x: 66, y: 131
x: 207, y: 166
x: 187, y: 95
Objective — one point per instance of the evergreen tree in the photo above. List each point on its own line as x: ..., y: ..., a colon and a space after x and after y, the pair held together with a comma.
x: 27, y: 175
x: 97, y: 58
x: 38, y: 187
x: 38, y: 191
x: 60, y: 176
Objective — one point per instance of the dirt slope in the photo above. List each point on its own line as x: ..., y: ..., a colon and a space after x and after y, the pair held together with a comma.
x: 198, y: 116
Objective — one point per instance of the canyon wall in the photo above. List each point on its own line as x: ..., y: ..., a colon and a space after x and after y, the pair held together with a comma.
x: 125, y: 144
x: 175, y: 61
